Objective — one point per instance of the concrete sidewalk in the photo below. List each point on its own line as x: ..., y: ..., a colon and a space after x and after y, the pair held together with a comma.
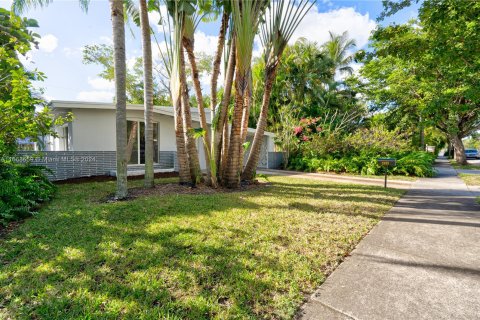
x: 422, y: 261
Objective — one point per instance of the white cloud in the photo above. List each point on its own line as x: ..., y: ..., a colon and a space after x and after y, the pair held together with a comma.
x: 205, y: 43
x: 315, y: 25
x: 106, y: 40
x: 72, y: 52
x: 95, y: 96
x: 48, y: 43
x: 101, y: 84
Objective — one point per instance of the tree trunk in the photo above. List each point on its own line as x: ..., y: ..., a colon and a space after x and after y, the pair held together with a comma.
x: 217, y: 60
x: 132, y: 136
x: 219, y: 136
x: 421, y: 128
x: 233, y: 170
x: 188, y: 45
x: 224, y: 152
x: 253, y: 157
x: 192, y: 152
x: 120, y: 70
x: 182, y: 158
x: 459, y: 150
x: 147, y: 94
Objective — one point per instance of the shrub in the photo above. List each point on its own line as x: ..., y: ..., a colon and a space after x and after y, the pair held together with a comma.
x: 417, y: 163
x: 22, y: 189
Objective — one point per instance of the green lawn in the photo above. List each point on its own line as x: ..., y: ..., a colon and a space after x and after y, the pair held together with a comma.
x: 470, y: 179
x: 466, y: 166
x: 240, y: 255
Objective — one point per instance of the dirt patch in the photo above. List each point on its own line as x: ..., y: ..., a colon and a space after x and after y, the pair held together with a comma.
x: 110, y: 178
x: 4, y: 231
x: 175, y: 188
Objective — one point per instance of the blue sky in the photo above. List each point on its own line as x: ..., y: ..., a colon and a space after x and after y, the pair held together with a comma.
x: 65, y: 29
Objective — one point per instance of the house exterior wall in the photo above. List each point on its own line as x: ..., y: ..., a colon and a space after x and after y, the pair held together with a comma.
x: 93, y: 130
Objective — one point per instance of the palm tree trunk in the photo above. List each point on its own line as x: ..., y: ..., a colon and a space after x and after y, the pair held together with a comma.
x: 219, y: 136
x: 217, y: 60
x: 118, y: 27
x: 182, y: 158
x: 233, y: 170
x: 253, y: 157
x: 192, y: 152
x: 188, y: 45
x: 224, y: 152
x: 148, y: 94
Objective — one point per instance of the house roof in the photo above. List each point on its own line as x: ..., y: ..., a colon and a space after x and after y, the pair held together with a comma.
x: 166, y: 110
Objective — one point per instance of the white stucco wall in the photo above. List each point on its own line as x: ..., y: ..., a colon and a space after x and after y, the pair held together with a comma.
x: 93, y: 130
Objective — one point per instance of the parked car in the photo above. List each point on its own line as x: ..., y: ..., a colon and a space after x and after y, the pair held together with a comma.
x: 472, y: 153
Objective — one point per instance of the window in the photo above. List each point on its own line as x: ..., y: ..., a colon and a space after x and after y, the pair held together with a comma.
x: 136, y: 142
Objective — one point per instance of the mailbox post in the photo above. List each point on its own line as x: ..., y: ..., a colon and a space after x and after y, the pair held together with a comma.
x: 386, y: 163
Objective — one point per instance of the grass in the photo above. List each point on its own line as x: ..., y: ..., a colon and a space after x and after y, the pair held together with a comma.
x: 465, y: 166
x: 241, y: 255
x: 470, y: 179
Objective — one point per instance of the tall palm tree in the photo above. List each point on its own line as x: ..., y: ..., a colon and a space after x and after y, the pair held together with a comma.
x: 118, y: 27
x: 284, y: 16
x: 188, y: 43
x: 337, y: 49
x: 178, y: 10
x: 148, y: 93
x: 171, y: 60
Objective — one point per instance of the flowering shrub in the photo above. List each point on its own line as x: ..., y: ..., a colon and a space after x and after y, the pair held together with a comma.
x: 307, y: 128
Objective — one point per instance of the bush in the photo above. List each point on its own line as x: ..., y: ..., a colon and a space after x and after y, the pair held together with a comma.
x: 417, y: 163
x: 22, y: 189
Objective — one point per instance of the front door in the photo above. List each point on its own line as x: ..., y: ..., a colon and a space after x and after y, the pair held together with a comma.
x: 136, y: 142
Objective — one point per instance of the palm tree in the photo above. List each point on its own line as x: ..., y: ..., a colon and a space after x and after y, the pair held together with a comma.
x: 171, y: 60
x: 246, y: 18
x: 148, y: 93
x: 337, y: 49
x: 283, y: 20
x: 118, y: 27
x: 188, y: 43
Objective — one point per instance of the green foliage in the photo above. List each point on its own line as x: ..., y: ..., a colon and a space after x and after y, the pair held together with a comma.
x: 358, y: 152
x: 417, y: 163
x: 22, y: 189
x: 23, y: 114
x: 304, y: 84
x: 429, y: 68
x: 102, y: 54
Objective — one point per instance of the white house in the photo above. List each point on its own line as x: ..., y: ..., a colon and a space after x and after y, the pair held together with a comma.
x: 91, y: 135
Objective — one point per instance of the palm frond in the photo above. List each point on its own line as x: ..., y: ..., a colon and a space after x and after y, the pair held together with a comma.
x: 283, y: 18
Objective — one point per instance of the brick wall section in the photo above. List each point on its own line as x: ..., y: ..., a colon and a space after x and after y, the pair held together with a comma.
x: 75, y: 164
x: 71, y: 164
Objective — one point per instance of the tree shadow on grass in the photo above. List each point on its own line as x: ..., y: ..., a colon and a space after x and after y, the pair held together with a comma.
x: 153, y: 257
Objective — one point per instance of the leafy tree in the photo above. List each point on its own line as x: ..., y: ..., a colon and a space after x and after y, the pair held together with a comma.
x: 24, y: 114
x: 102, y: 54
x: 432, y: 66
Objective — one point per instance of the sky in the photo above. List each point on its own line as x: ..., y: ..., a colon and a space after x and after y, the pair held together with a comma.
x: 65, y: 29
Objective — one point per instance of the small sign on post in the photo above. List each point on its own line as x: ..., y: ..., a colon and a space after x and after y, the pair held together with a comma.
x: 387, y: 163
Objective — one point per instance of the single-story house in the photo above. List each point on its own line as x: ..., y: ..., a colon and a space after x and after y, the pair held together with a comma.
x: 86, y: 146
